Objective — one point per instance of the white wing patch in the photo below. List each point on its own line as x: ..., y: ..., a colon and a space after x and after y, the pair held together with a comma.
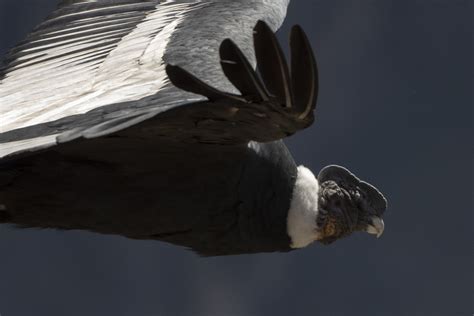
x: 76, y: 69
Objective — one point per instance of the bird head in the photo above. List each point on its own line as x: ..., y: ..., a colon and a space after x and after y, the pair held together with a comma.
x: 346, y: 205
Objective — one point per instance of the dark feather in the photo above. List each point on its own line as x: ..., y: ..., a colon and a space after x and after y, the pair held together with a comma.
x: 239, y: 71
x: 304, y: 73
x: 186, y: 81
x: 272, y: 64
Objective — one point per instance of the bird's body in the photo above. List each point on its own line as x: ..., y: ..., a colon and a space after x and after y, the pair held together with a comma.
x: 214, y: 199
x: 98, y: 132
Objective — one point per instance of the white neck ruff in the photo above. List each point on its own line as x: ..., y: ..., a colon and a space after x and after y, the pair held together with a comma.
x: 301, y: 221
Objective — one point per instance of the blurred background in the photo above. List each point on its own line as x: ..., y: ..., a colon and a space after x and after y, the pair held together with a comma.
x: 395, y: 107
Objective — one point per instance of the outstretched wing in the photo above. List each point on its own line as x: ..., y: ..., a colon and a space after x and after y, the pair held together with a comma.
x: 103, y: 62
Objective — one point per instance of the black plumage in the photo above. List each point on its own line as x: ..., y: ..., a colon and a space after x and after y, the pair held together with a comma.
x: 213, y: 199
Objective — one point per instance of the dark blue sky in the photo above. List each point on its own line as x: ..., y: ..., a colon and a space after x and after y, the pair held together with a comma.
x: 395, y: 107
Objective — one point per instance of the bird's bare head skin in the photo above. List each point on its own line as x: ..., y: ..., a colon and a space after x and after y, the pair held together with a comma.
x: 333, y: 206
x: 347, y: 204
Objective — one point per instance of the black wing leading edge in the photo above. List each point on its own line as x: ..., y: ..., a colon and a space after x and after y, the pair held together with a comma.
x: 285, y: 101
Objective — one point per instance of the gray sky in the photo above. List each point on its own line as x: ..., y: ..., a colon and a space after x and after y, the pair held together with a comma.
x: 395, y: 107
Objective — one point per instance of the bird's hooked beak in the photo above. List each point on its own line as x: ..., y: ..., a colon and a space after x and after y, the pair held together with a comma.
x: 376, y: 226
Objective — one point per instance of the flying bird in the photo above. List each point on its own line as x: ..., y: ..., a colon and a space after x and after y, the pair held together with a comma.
x: 164, y: 120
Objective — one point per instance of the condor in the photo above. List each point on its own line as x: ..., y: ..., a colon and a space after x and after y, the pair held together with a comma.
x: 164, y: 120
